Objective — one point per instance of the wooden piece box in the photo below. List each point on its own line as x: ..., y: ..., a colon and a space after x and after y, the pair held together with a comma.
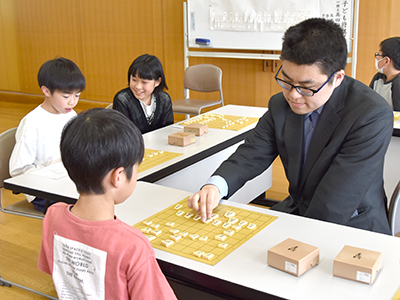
x: 181, y: 139
x: 197, y: 129
x: 293, y: 257
x: 357, y: 264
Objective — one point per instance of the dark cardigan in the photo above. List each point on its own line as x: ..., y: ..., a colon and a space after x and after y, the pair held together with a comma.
x: 126, y: 103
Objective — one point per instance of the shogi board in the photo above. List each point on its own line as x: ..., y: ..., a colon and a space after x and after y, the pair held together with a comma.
x: 154, y: 158
x: 396, y: 115
x: 186, y: 246
x: 397, y: 295
x: 219, y: 121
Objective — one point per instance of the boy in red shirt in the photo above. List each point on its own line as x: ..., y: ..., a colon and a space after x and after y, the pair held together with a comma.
x: 90, y: 253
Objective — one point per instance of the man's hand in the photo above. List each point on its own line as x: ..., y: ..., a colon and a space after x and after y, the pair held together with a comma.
x: 205, y: 201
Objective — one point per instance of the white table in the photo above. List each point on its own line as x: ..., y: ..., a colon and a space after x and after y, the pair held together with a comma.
x: 188, y: 171
x: 209, y: 144
x: 199, y: 160
x: 245, y: 274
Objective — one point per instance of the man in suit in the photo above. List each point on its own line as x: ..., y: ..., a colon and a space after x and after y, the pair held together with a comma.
x: 330, y: 131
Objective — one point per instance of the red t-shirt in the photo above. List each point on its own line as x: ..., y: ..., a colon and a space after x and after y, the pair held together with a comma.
x: 99, y: 259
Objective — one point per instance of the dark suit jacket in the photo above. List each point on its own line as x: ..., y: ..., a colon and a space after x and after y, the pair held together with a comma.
x: 343, y: 171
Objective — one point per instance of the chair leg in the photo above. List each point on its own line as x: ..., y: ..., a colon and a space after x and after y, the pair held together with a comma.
x: 7, y: 283
x: 7, y: 211
x: 4, y: 283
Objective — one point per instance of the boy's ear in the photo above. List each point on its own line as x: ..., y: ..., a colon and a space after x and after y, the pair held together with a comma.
x: 45, y: 91
x: 117, y: 176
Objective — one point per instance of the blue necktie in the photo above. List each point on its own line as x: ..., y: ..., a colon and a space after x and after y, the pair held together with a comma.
x: 313, y: 118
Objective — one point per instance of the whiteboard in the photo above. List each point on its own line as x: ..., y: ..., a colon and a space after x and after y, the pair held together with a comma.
x: 257, y: 24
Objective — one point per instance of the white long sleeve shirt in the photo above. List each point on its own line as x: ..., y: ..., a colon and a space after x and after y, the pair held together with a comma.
x: 37, y: 141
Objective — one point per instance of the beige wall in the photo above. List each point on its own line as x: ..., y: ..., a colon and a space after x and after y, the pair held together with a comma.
x: 103, y: 37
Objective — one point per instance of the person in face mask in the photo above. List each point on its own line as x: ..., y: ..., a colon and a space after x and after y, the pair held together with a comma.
x: 387, y: 81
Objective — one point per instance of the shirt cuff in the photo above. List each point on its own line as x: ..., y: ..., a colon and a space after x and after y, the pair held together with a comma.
x: 220, y: 183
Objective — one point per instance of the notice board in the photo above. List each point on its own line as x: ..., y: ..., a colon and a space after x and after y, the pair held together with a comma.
x: 258, y: 24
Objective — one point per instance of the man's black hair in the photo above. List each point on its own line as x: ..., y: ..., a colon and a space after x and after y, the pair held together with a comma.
x: 316, y: 41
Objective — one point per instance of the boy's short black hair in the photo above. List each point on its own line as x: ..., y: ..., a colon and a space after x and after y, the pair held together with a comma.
x: 97, y: 141
x: 316, y: 40
x: 391, y: 48
x: 148, y: 67
x: 61, y: 74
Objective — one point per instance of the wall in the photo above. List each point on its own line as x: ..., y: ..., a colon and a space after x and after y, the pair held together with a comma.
x: 103, y: 37
x: 378, y: 21
x: 9, y: 67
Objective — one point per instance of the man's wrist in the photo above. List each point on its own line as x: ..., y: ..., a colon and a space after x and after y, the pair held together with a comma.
x: 220, y: 183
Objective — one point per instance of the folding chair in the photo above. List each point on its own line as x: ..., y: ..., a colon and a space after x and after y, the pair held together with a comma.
x: 204, y: 78
x: 21, y: 208
x: 394, y: 211
x: 7, y: 283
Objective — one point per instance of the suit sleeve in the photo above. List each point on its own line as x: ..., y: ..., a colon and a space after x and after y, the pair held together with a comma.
x: 251, y: 158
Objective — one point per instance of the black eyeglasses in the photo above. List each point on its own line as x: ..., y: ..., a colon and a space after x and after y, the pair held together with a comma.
x: 377, y: 54
x: 301, y: 89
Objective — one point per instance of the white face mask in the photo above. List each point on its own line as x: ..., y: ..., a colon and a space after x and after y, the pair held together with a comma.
x: 380, y: 70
